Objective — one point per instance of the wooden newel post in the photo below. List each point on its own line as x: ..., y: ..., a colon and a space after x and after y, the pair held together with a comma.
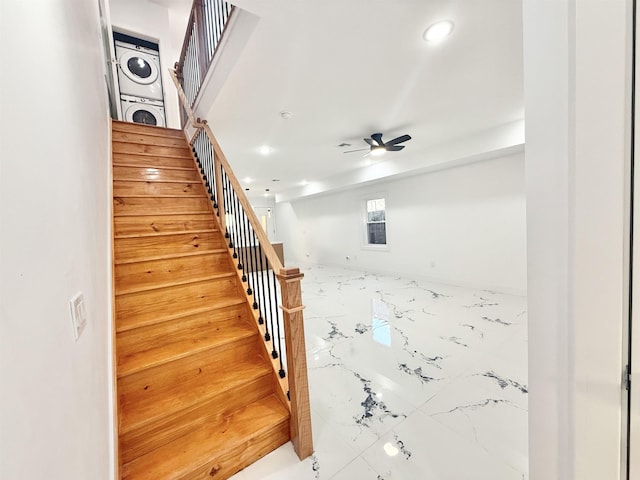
x: 296, y: 361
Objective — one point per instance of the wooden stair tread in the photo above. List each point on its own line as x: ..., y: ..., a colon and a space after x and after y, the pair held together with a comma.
x: 212, y: 305
x: 145, y: 180
x: 147, y: 139
x: 122, y: 126
x: 132, y: 173
x: 137, y: 309
x: 150, y: 274
x: 154, y: 150
x: 160, y: 195
x: 147, y: 288
x: 182, y: 344
x: 165, y: 390
x: 157, y: 161
x: 214, y: 447
x: 164, y: 224
x: 142, y: 165
x: 184, y: 188
x: 147, y: 203
x: 185, y: 155
x: 162, y: 234
x: 168, y: 256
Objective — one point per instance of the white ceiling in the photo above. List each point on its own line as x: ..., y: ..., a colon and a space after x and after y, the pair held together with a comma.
x: 350, y: 68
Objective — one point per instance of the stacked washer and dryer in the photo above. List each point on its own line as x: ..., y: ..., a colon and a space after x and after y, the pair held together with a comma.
x: 140, y: 79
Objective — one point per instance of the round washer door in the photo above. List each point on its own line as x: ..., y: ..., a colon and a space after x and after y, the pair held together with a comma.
x: 139, y: 67
x: 145, y: 114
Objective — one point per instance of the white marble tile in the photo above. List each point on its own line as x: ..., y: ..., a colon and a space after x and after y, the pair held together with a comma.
x: 409, y: 379
x: 356, y: 470
x: 421, y: 448
x: 480, y: 408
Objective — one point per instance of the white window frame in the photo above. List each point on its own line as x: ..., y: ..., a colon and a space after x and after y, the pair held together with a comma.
x: 365, y: 231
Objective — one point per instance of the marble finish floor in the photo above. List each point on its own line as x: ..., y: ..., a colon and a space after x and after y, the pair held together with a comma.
x: 409, y: 380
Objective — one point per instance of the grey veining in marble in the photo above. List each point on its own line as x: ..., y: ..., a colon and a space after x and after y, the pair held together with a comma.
x: 409, y: 380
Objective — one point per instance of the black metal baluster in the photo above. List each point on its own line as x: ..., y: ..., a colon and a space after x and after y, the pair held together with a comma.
x: 274, y: 353
x: 254, y: 261
x: 242, y: 255
x: 216, y: 32
x: 275, y: 296
x: 246, y: 254
x: 220, y: 20
x: 234, y: 233
x: 263, y: 309
x: 229, y: 233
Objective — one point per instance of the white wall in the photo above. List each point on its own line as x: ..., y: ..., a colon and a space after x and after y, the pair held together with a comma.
x: 150, y: 20
x: 464, y: 225
x: 54, y: 241
x: 261, y: 204
x: 576, y: 61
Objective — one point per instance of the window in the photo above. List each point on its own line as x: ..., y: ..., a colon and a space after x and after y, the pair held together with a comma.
x: 376, y: 222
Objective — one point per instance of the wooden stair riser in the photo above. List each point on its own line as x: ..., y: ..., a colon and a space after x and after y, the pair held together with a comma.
x: 157, y: 162
x: 232, y: 461
x: 156, y: 344
x: 155, y: 174
x: 149, y: 247
x: 139, y: 275
x: 216, y: 449
x: 123, y: 187
x: 146, y: 338
x: 144, y: 308
x: 128, y: 127
x: 168, y: 389
x: 141, y: 205
x: 124, y: 147
x: 148, y: 224
x: 143, y: 440
x: 146, y: 139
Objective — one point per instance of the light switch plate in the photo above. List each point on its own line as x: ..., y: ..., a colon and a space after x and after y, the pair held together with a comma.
x: 78, y: 314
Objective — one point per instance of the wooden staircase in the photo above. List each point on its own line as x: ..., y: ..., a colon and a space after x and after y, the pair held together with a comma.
x: 198, y: 397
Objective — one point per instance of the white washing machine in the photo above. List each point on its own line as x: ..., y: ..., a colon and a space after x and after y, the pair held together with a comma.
x: 142, y: 110
x: 138, y: 71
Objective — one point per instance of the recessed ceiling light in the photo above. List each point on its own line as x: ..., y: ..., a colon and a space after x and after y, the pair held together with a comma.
x: 275, y: 180
x: 438, y: 31
x: 265, y: 150
x: 286, y: 115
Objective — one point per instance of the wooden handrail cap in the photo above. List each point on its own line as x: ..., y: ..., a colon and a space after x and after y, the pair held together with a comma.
x: 290, y: 273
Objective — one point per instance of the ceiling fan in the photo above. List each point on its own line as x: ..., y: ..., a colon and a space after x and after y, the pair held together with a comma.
x: 378, y: 147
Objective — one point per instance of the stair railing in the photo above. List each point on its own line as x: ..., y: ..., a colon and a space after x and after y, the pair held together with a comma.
x: 205, y: 28
x: 270, y: 287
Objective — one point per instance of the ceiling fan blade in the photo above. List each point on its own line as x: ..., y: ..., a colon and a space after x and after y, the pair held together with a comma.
x: 369, y: 141
x: 393, y: 148
x: 401, y: 139
x: 358, y: 150
x: 377, y: 137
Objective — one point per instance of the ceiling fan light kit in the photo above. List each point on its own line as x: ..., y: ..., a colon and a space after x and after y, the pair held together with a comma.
x: 377, y: 147
x: 377, y: 150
